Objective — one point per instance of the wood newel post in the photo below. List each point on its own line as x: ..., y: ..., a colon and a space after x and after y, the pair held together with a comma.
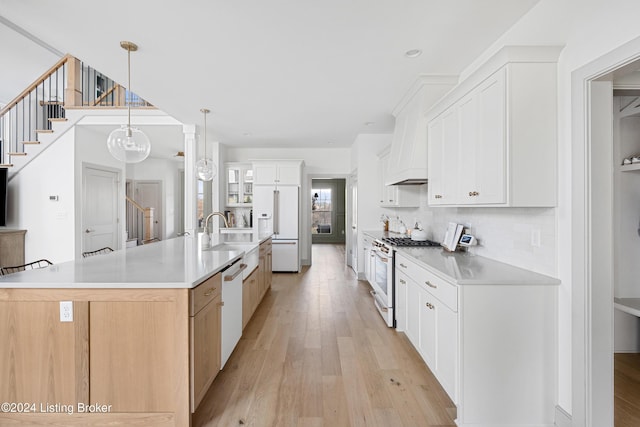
x: 148, y: 224
x: 73, y: 91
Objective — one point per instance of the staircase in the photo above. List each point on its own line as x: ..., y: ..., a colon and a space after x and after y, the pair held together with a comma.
x: 52, y: 105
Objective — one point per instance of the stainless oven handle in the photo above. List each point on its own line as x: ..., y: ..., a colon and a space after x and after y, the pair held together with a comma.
x: 383, y: 258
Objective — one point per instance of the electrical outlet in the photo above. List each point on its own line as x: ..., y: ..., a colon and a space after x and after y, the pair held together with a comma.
x: 535, y: 238
x: 66, y: 311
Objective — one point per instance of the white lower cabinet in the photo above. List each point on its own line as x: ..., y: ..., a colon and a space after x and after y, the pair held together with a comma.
x: 490, y: 345
x: 401, y: 304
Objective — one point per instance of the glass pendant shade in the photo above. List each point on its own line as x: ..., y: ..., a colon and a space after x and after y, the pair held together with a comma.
x: 205, y: 169
x: 128, y: 144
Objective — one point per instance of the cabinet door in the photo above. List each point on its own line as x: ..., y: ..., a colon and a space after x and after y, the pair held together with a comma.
x: 401, y: 302
x: 265, y: 173
x: 234, y: 187
x: 427, y: 321
x: 468, y: 119
x: 413, y: 313
x: 248, y: 297
x: 450, y: 156
x: 247, y: 185
x: 447, y: 349
x: 386, y: 195
x: 288, y: 174
x: 269, y: 270
x: 205, y: 349
x: 435, y: 164
x: 490, y: 173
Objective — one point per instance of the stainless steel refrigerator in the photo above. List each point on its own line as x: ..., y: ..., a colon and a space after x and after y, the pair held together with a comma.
x: 277, y: 211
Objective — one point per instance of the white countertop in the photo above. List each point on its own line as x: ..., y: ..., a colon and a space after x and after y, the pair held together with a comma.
x: 173, y: 263
x: 467, y: 269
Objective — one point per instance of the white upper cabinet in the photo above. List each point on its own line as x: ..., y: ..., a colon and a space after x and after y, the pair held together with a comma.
x: 407, y: 160
x: 277, y: 172
x: 239, y: 185
x: 503, y: 150
x: 444, y: 156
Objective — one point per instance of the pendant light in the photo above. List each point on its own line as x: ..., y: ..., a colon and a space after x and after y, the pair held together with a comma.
x: 205, y: 169
x: 128, y: 144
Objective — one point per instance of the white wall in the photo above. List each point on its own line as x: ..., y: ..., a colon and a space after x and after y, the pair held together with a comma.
x: 317, y: 162
x: 50, y: 224
x: 364, y: 154
x: 91, y: 148
x: 588, y: 29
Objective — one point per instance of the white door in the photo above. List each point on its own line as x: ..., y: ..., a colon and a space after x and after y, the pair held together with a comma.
x: 99, y: 209
x: 354, y: 224
x: 286, y: 212
x: 148, y: 194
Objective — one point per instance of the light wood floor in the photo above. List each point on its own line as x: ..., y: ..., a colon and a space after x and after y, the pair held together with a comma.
x: 627, y: 389
x: 316, y: 353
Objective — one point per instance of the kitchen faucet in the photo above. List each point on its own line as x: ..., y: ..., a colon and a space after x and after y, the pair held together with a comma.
x: 220, y: 214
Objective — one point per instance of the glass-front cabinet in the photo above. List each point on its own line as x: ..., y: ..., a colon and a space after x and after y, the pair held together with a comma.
x: 239, y: 184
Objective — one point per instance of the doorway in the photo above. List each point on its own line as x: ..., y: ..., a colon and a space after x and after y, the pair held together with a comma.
x: 597, y: 275
x: 328, y: 210
x: 100, y: 222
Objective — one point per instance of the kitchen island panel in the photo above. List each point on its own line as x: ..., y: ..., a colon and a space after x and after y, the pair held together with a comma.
x: 41, y: 363
x: 126, y: 350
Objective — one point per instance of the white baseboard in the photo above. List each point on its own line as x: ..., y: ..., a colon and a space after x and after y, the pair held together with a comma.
x: 563, y: 419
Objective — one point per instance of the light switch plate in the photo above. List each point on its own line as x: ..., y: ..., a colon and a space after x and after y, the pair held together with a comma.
x: 66, y: 311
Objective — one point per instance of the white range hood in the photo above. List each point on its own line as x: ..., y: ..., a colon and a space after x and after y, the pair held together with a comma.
x: 408, y: 158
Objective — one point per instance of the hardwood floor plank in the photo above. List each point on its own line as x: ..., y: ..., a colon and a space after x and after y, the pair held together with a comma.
x: 335, y: 411
x: 627, y: 389
x: 317, y: 353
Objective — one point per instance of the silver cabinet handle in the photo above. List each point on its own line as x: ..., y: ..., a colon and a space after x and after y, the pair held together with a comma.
x: 89, y: 230
x: 431, y: 285
x: 403, y: 282
x: 402, y: 265
x: 430, y: 306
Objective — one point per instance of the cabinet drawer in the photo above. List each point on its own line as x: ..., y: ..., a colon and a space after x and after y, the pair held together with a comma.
x: 446, y: 292
x: 204, y: 293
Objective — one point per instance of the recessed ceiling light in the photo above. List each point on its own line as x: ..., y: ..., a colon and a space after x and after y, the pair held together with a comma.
x: 413, y: 53
x: 329, y: 142
x: 368, y: 123
x: 247, y: 134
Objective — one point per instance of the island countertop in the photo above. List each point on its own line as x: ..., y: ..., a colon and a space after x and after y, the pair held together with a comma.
x: 172, y: 263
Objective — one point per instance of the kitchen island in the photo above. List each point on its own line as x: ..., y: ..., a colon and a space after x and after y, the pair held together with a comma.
x: 129, y: 350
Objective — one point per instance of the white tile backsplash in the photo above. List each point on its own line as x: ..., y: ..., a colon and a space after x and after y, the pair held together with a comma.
x: 504, y: 234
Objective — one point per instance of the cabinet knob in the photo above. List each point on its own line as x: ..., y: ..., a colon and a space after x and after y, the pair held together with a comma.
x: 431, y: 285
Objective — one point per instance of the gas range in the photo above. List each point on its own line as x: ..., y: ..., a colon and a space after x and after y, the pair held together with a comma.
x: 407, y: 242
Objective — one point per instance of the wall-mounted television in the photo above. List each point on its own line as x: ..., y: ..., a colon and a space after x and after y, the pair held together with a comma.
x: 4, y: 173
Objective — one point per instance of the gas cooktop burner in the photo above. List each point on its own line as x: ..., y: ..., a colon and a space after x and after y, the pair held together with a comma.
x: 406, y: 241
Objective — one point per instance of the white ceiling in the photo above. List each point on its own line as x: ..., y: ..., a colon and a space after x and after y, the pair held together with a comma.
x: 278, y: 73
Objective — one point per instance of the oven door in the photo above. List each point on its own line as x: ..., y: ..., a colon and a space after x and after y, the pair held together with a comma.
x: 382, y: 285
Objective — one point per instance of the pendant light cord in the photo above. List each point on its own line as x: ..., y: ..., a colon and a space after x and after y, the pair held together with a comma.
x: 129, y: 84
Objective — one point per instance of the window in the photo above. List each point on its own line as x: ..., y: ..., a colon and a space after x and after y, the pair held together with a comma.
x: 321, y: 211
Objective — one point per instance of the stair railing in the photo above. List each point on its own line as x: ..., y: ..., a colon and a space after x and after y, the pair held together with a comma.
x: 68, y: 84
x: 32, y: 112
x: 147, y: 219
